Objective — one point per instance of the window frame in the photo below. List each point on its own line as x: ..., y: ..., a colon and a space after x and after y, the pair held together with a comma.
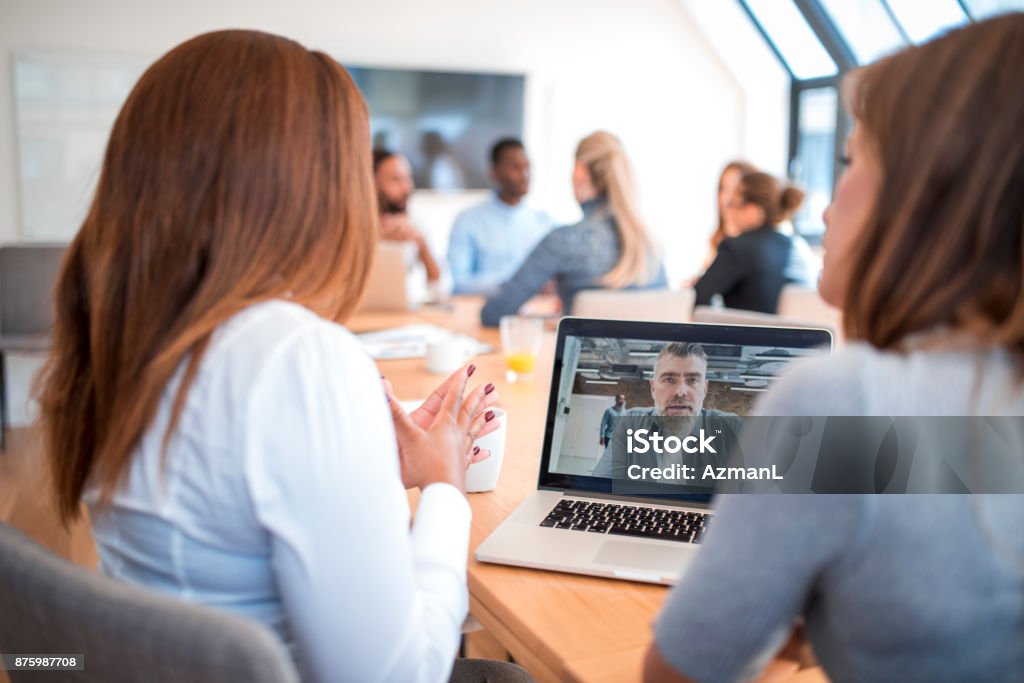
x: 832, y: 39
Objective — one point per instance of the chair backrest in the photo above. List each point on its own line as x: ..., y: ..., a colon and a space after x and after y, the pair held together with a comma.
x: 27, y: 276
x: 48, y: 605
x: 736, y: 316
x: 657, y: 305
x: 733, y: 316
x: 801, y: 303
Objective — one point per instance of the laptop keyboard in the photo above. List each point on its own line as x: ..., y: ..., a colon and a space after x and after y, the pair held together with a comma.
x: 628, y: 520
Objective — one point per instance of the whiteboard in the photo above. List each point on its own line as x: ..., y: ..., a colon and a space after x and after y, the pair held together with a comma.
x: 65, y: 103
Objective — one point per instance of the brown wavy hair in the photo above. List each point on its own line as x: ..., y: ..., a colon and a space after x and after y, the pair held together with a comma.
x: 779, y: 201
x: 944, y: 245
x: 237, y: 171
x: 735, y: 165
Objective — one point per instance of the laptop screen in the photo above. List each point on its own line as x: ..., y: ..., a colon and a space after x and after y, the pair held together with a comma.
x: 613, y: 378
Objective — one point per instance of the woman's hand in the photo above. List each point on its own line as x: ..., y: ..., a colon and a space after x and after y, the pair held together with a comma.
x: 427, y: 410
x: 435, y: 441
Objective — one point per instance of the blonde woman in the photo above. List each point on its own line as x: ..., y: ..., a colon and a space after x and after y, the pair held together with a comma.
x: 609, y: 248
x: 924, y: 253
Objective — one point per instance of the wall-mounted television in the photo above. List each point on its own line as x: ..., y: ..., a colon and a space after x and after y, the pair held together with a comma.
x: 443, y: 122
x: 65, y: 103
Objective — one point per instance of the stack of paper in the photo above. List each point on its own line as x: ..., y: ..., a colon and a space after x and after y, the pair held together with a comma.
x: 410, y: 341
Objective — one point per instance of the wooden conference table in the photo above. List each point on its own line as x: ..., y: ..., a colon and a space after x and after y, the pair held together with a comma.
x: 560, y: 627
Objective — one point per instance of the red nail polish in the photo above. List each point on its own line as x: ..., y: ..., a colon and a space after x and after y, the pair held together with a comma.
x: 488, y: 389
x: 470, y: 371
x: 476, y: 449
x: 489, y: 416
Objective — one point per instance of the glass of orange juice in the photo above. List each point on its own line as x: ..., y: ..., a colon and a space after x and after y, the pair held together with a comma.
x: 520, y: 340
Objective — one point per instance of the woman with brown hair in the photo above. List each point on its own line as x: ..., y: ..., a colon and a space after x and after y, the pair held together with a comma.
x: 233, y: 442
x: 610, y: 248
x: 924, y: 253
x: 727, y: 182
x: 752, y: 266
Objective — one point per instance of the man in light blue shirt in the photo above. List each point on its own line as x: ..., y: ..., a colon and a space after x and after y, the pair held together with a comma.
x: 490, y: 241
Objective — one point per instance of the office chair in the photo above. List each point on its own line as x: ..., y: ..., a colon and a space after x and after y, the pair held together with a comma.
x: 736, y: 316
x: 658, y: 305
x: 126, y: 634
x: 800, y: 303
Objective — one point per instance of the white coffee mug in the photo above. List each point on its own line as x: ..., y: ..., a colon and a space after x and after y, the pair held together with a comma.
x: 448, y: 354
x: 483, y: 476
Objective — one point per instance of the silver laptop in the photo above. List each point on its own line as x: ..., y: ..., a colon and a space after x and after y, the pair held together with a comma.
x: 593, y: 513
x: 388, y: 287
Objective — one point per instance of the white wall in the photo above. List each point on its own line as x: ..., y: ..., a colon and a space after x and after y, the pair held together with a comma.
x: 762, y: 80
x: 644, y: 69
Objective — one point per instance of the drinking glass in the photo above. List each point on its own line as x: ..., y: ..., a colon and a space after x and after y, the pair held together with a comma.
x: 520, y: 341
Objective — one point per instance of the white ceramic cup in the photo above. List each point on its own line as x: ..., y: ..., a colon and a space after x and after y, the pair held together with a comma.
x: 446, y: 355
x: 483, y: 476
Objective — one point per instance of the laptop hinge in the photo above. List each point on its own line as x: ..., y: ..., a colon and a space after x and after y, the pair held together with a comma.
x: 636, y: 500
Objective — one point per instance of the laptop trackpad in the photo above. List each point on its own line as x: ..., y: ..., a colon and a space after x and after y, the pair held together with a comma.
x: 642, y: 556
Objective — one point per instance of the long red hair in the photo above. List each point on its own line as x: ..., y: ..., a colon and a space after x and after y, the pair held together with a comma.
x: 237, y: 171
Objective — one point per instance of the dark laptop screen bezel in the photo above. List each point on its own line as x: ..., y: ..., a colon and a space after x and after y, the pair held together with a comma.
x: 704, y: 333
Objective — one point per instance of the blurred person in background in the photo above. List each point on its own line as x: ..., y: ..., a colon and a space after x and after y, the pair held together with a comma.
x: 392, y: 176
x: 803, y: 266
x: 440, y: 169
x: 727, y: 182
x: 490, y: 241
x: 751, y: 268
x: 611, y: 248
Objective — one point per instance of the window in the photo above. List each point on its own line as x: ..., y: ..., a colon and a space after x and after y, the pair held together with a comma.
x: 820, y: 40
x: 813, y: 167
x: 982, y: 9
x: 867, y: 26
x: 924, y: 20
x: 792, y: 38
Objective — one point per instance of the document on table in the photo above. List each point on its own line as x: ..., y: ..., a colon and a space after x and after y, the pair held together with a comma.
x: 410, y: 341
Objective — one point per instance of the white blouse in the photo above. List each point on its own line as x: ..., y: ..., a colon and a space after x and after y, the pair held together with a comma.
x: 281, y: 500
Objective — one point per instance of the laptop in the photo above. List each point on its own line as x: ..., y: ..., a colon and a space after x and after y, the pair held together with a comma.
x: 388, y: 286
x: 587, y: 518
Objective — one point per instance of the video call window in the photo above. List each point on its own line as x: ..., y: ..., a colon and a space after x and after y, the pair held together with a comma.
x: 599, y: 374
x: 443, y: 122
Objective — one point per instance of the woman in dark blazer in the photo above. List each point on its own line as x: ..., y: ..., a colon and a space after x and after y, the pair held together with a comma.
x: 750, y: 269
